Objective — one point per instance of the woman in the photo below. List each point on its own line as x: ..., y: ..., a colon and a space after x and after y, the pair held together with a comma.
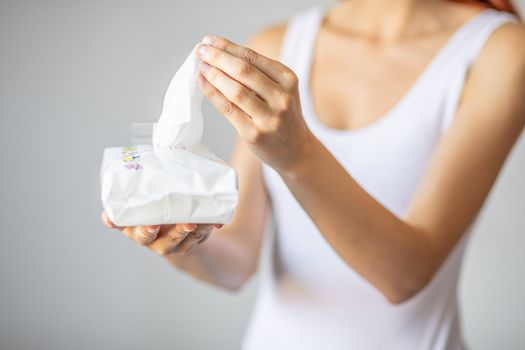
x: 375, y: 142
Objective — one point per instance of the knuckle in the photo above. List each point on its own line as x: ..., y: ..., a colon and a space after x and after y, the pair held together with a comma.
x: 285, y: 101
x: 221, y: 42
x: 226, y: 108
x: 239, y: 96
x: 212, y: 74
x: 245, y: 69
x: 249, y: 56
x: 215, y: 54
x: 213, y: 93
x: 291, y: 78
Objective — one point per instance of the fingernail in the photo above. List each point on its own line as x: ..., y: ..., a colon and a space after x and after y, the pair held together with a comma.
x: 190, y: 228
x: 204, y: 67
x: 152, y: 230
x: 203, y: 49
x: 208, y: 40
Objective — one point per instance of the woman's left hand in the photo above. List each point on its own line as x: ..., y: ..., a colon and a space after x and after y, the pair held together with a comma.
x: 260, y: 97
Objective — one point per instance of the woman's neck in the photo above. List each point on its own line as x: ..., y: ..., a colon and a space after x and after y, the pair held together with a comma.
x: 388, y: 21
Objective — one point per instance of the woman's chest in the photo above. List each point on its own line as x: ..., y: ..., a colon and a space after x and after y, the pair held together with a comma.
x: 355, y: 84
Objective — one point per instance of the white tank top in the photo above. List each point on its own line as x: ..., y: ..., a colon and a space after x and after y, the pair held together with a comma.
x: 309, y: 298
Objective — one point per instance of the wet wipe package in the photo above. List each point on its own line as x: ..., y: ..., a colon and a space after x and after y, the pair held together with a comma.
x: 176, y: 179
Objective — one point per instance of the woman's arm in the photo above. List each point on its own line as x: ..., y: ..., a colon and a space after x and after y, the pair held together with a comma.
x: 229, y: 256
x: 397, y: 255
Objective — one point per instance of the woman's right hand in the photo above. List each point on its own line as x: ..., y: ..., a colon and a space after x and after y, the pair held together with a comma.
x: 166, y: 239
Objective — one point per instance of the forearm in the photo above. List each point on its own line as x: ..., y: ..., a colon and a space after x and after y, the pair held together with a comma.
x: 220, y: 260
x: 381, y: 247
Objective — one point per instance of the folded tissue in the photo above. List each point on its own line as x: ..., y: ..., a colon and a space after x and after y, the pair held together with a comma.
x: 177, y: 179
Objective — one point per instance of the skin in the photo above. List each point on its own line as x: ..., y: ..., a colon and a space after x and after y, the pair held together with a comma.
x: 259, y: 97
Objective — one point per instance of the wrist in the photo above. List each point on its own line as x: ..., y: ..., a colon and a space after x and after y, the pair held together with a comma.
x: 178, y: 259
x: 305, y: 161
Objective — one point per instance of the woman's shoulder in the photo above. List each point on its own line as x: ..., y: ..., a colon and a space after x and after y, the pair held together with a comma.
x: 268, y: 40
x: 510, y: 36
x: 501, y: 63
x: 504, y: 50
x: 508, y: 39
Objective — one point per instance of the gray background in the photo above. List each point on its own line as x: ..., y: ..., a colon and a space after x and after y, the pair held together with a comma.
x: 73, y: 76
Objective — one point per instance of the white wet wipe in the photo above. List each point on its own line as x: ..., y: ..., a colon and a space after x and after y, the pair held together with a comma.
x: 177, y: 179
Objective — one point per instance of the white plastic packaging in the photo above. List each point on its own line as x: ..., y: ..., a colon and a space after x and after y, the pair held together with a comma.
x: 177, y: 179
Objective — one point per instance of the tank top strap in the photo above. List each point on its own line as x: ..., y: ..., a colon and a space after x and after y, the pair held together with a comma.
x: 481, y: 29
x: 464, y: 53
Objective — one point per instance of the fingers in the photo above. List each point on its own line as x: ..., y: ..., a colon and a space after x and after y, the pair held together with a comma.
x: 190, y: 242
x: 180, y: 231
x: 241, y: 70
x: 143, y: 235
x: 273, y: 69
x: 166, y: 239
x: 192, y: 239
x: 170, y: 238
x: 204, y: 237
x: 147, y: 234
x: 186, y: 227
x: 204, y: 228
x: 238, y: 118
x: 204, y: 231
x: 234, y: 91
x: 187, y: 244
x: 177, y: 239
